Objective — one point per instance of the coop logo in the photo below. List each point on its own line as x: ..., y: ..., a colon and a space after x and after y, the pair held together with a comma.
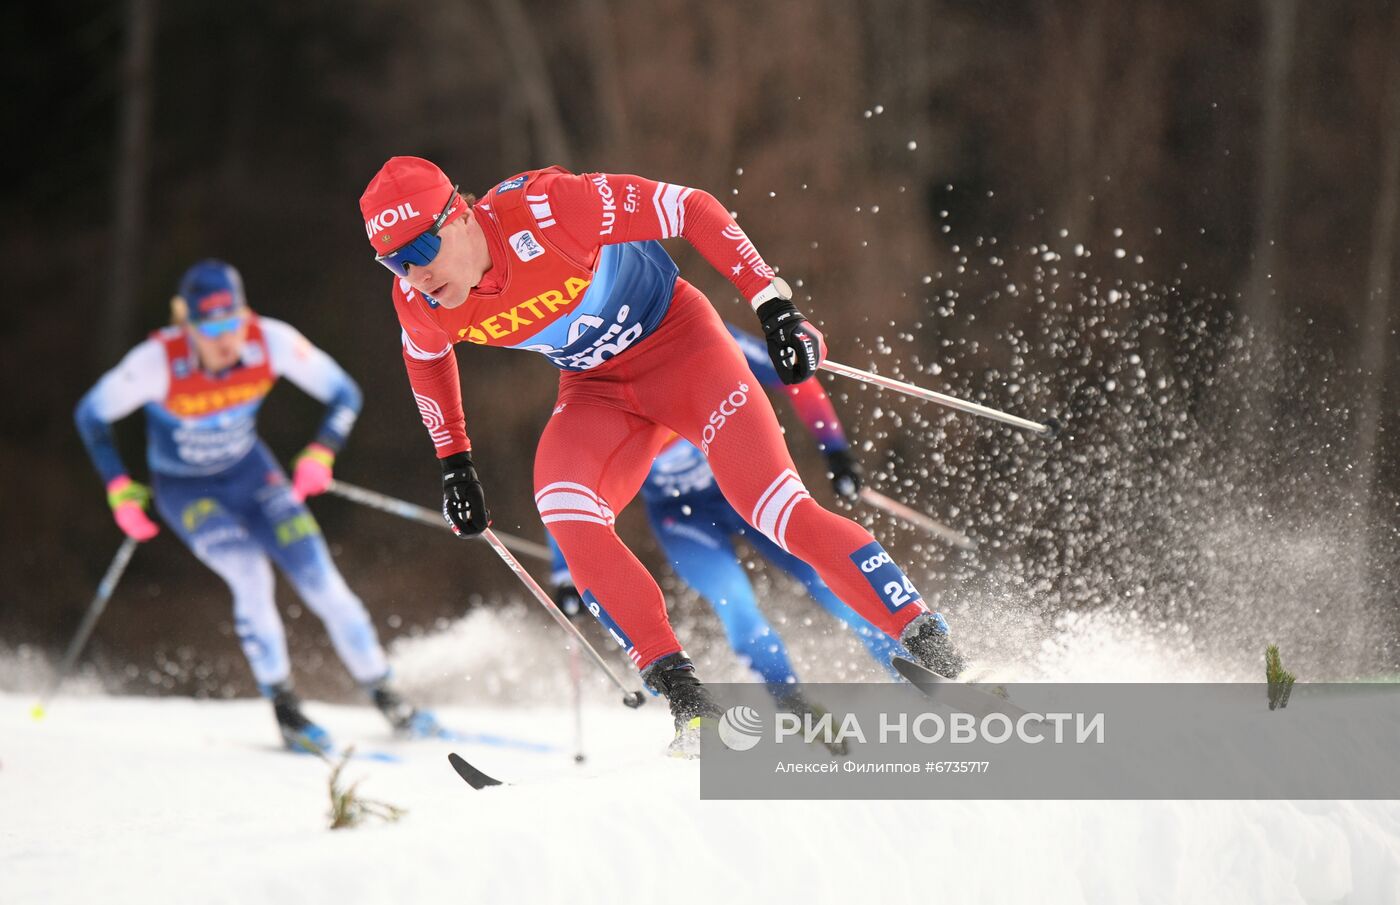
x: 740, y: 728
x: 525, y: 246
x: 728, y: 407
x: 400, y: 213
x: 874, y: 562
x: 886, y: 578
x: 511, y: 185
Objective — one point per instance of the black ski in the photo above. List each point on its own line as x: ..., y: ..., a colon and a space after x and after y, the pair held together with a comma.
x: 474, y: 777
x: 954, y: 694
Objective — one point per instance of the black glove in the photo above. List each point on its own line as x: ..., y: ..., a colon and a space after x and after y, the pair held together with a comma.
x: 463, y: 500
x: 568, y: 599
x: 794, y: 345
x: 845, y: 474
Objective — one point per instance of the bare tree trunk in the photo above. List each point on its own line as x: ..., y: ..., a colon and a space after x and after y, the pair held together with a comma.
x: 607, y: 82
x: 129, y: 210
x: 918, y: 73
x: 1261, y: 304
x: 724, y: 93
x: 897, y: 48
x: 1084, y: 35
x: 1376, y: 322
x: 533, y: 78
x: 515, y: 131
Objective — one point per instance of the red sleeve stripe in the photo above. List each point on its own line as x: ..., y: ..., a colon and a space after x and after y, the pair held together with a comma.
x: 669, y: 202
x: 416, y: 352
x: 539, y: 206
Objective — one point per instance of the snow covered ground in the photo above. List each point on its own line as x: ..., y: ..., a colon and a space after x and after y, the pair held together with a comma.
x: 147, y: 800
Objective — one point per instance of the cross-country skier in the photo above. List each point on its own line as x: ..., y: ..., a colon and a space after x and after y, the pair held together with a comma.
x: 221, y: 491
x: 695, y: 526
x: 570, y: 266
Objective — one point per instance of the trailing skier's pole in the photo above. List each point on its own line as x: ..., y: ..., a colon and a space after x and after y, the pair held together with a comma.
x: 630, y: 698
x: 1049, y: 428
x: 914, y: 517
x: 94, y: 612
x: 404, y: 509
x: 576, y: 679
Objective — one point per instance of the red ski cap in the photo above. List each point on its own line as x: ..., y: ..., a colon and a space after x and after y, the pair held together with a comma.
x: 402, y: 200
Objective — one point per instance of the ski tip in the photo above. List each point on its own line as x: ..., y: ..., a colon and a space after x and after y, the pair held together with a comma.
x: 471, y: 775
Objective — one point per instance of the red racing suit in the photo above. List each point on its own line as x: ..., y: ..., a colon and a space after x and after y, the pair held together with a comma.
x: 578, y: 275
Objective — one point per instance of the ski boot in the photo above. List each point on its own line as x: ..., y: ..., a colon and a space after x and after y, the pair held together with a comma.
x: 790, y: 699
x: 298, y: 733
x: 674, y: 676
x: 926, y: 637
x: 407, y: 720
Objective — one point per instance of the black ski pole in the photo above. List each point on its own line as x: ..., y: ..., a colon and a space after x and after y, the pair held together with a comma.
x: 94, y: 612
x: 576, y: 679
x: 918, y: 519
x: 414, y: 513
x: 629, y: 697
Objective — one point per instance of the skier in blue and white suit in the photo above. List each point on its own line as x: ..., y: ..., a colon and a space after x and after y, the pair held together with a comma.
x: 201, y: 383
x: 696, y: 528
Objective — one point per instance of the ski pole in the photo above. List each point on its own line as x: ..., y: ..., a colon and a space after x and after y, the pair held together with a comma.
x: 914, y: 517
x: 576, y: 679
x: 94, y: 612
x: 1050, y: 428
x: 630, y: 698
x: 414, y: 513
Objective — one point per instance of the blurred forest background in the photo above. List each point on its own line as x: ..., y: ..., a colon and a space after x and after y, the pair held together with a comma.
x: 1173, y: 225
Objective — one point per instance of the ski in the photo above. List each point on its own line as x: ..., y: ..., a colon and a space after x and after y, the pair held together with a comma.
x: 474, y: 777
x: 438, y: 732
x: 355, y: 753
x: 497, y: 741
x: 955, y: 695
x: 382, y: 757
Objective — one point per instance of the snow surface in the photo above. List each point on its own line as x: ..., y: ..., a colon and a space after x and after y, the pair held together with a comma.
x: 146, y: 800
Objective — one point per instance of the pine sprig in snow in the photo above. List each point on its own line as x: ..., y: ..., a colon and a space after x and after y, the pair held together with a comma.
x: 1280, y: 680
x: 348, y: 809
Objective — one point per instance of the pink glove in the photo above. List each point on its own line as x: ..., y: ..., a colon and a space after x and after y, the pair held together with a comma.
x: 128, y: 500
x: 312, y: 472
